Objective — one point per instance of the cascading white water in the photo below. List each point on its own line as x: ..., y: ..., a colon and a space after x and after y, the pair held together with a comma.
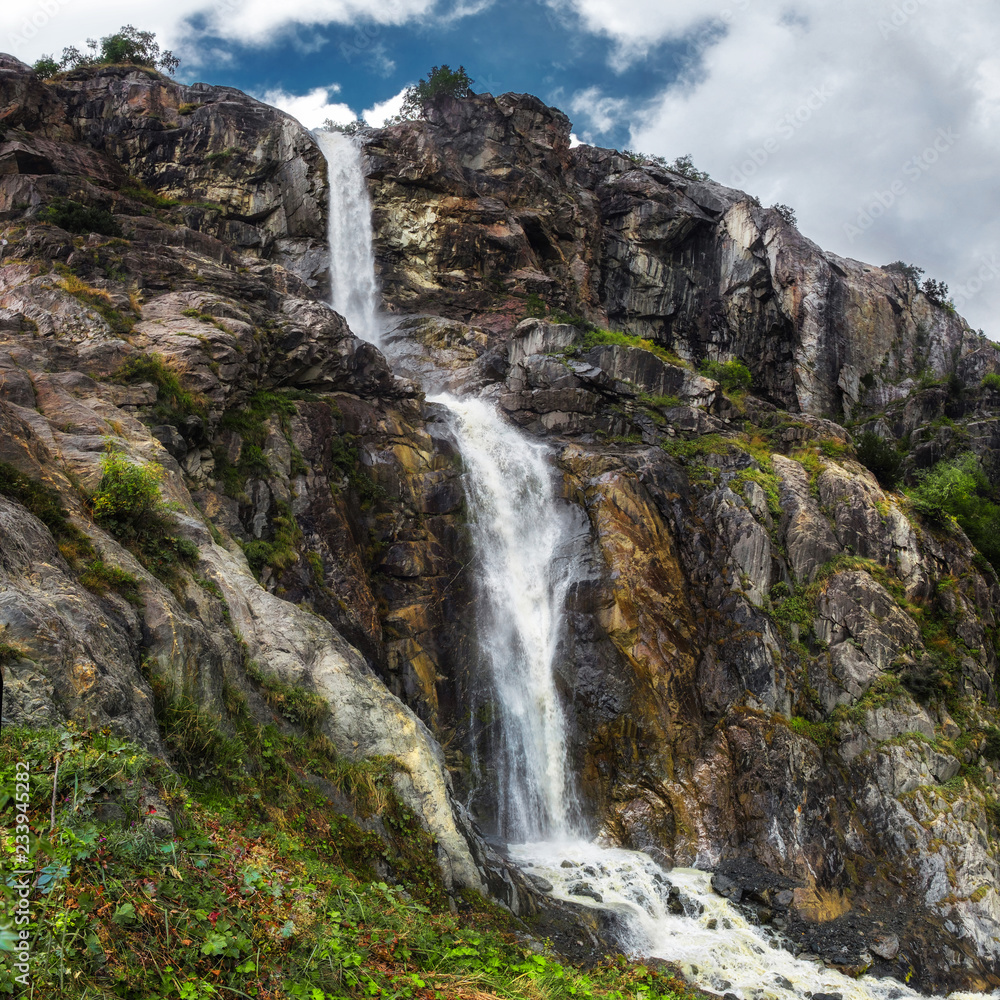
x: 523, y: 574
x: 353, y: 287
x: 715, y: 944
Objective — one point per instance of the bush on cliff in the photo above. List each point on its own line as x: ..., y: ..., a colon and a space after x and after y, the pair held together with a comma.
x: 174, y: 403
x: 127, y: 46
x: 958, y: 492
x: 440, y: 80
x: 881, y: 458
x: 75, y: 217
x: 733, y: 376
x: 128, y: 504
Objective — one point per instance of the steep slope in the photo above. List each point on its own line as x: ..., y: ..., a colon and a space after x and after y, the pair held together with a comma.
x: 245, y: 334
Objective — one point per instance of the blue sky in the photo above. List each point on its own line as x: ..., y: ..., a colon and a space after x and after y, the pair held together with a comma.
x: 522, y: 46
x: 877, y: 120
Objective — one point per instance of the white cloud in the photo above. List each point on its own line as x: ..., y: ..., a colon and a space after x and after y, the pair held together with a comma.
x: 311, y: 109
x: 835, y: 109
x: 602, y: 113
x: 30, y: 27
x: 378, y: 113
x: 639, y: 24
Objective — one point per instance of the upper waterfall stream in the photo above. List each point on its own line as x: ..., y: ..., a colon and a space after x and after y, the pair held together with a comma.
x: 353, y: 287
x: 520, y: 536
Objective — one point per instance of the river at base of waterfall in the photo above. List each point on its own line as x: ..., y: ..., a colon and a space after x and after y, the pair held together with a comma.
x: 676, y: 916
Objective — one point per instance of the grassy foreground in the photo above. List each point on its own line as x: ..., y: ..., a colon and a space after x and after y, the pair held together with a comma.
x: 266, y: 889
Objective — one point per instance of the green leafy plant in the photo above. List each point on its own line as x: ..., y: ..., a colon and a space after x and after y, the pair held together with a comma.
x: 786, y: 212
x: 991, y: 381
x: 100, y: 577
x: 351, y: 128
x: 266, y: 887
x: 46, y: 67
x: 733, y: 376
x: 936, y: 291
x: 138, y: 191
x: 127, y: 503
x: 881, y: 457
x: 75, y: 217
x: 535, y: 307
x: 174, y: 403
x: 441, y: 80
x: 958, y: 492
x: 127, y: 46
x: 43, y: 501
x: 909, y: 271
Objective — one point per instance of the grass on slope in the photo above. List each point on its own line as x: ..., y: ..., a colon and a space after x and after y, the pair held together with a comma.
x: 266, y: 891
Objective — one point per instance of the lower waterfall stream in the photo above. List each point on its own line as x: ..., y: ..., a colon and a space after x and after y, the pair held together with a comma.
x: 519, y: 534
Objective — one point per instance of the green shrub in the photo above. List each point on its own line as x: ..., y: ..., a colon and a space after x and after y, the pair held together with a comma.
x: 75, y: 217
x: 298, y: 706
x: 821, y: 733
x: 786, y: 212
x: 100, y: 577
x: 222, y: 155
x: 138, y: 191
x: 910, y: 271
x: 174, y: 403
x: 881, y: 458
x: 936, y: 291
x: 250, y: 422
x: 128, y: 504
x: 733, y: 376
x: 682, y: 165
x: 958, y: 492
x: 833, y: 448
x: 127, y: 46
x: 767, y: 481
x: 535, y: 307
x: 991, y: 380
x: 949, y: 489
x: 440, y: 80
x: 128, y: 500
x: 281, y: 550
x: 46, y: 67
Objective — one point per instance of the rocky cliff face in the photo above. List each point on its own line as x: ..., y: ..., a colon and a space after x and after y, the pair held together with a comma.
x: 770, y: 657
x: 485, y: 203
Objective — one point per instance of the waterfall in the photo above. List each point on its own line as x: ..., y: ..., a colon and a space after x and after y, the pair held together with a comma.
x: 523, y: 573
x: 353, y: 287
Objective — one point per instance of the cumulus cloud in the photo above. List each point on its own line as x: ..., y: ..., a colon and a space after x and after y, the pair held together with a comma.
x: 638, y: 25
x: 311, y: 109
x: 378, y: 113
x: 600, y: 113
x: 876, y: 121
x: 30, y: 27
